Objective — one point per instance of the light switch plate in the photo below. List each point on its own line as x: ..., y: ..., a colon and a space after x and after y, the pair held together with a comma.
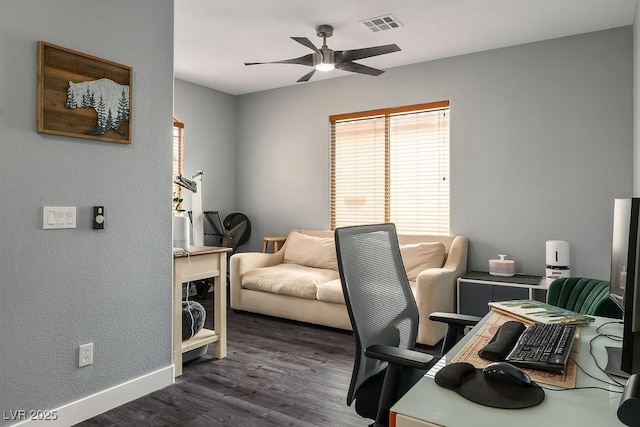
x: 56, y: 217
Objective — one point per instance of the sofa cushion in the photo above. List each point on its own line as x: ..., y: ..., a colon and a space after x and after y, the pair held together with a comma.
x: 288, y: 279
x: 311, y: 251
x: 331, y: 292
x: 420, y: 256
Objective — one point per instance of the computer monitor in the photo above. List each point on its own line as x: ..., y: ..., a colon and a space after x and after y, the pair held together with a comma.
x: 625, y: 285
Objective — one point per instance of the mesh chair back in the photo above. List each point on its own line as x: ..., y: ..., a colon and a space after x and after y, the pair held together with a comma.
x: 379, y: 300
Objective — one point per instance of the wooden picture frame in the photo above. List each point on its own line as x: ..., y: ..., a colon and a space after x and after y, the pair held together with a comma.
x: 82, y: 96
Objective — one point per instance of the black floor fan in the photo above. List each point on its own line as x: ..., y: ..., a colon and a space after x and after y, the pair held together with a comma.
x: 237, y: 229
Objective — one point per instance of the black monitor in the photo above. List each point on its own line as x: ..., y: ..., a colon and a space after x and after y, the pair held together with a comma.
x: 625, y: 285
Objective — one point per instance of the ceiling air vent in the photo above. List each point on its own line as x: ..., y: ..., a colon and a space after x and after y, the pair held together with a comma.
x: 382, y: 23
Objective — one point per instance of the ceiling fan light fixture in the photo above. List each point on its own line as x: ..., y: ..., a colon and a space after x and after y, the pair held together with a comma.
x: 324, y: 66
x: 326, y: 60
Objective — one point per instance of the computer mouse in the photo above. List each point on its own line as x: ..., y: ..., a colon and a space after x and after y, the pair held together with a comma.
x: 506, y: 373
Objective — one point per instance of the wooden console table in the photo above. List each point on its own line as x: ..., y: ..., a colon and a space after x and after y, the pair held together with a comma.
x: 201, y: 262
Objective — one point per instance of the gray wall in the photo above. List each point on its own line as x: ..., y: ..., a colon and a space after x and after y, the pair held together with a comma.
x: 541, y: 144
x: 210, y: 137
x: 63, y: 288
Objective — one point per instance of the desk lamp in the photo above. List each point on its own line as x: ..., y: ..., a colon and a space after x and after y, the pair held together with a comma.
x: 197, y: 215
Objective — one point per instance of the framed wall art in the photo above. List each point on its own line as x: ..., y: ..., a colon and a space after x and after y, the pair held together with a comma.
x: 83, y: 96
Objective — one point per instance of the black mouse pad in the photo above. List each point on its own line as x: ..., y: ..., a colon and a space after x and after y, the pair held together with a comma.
x: 470, y: 383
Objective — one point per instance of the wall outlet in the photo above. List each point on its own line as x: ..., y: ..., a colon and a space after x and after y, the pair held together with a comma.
x: 85, y: 355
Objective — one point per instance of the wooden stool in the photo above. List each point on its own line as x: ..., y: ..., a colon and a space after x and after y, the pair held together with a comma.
x: 276, y: 241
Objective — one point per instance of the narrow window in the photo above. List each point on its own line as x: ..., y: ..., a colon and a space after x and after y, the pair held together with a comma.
x: 178, y: 153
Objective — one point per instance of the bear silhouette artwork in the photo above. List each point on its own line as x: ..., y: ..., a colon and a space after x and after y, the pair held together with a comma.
x: 109, y: 99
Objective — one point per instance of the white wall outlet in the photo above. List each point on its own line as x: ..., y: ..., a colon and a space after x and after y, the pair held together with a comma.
x: 85, y: 355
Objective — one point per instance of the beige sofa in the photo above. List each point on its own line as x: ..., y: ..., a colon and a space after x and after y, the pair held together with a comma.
x: 301, y: 281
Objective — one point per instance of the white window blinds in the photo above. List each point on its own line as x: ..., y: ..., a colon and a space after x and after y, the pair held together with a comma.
x: 178, y: 128
x: 392, y: 165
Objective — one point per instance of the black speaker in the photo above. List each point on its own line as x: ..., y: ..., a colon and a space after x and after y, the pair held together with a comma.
x: 629, y: 408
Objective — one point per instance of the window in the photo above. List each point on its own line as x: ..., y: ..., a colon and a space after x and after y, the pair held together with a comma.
x: 392, y: 165
x: 178, y: 152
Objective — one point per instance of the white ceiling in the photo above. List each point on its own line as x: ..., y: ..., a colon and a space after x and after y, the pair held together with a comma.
x: 214, y: 38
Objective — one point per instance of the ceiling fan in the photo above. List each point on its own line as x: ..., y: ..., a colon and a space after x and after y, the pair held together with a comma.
x: 325, y: 59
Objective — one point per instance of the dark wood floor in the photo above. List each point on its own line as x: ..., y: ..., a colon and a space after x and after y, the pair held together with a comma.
x: 277, y: 373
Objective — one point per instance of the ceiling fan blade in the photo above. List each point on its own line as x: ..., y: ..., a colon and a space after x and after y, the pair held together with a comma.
x: 306, y: 42
x: 358, y: 68
x: 306, y: 77
x: 367, y: 52
x: 303, y: 60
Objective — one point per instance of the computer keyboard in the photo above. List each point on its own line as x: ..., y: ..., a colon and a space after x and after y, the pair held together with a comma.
x: 544, y: 347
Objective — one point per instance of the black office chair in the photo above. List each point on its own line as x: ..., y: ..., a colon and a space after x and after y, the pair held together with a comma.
x: 457, y: 326
x: 384, y: 318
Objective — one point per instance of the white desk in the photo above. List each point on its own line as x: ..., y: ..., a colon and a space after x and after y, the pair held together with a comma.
x: 201, y: 262
x: 428, y: 404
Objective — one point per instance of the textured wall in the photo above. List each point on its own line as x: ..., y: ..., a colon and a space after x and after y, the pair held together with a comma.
x: 210, y: 137
x: 541, y: 144
x: 63, y: 288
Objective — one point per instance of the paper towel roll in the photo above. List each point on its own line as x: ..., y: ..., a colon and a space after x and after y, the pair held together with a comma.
x: 181, y: 232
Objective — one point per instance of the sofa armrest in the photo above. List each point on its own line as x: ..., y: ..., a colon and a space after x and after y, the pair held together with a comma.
x: 246, y: 261
x: 435, y: 290
x: 457, y: 256
x: 242, y: 262
x: 436, y: 286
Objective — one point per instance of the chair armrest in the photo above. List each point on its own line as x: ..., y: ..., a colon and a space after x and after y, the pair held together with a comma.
x: 456, y: 324
x: 454, y: 319
x: 398, y: 359
x: 397, y: 356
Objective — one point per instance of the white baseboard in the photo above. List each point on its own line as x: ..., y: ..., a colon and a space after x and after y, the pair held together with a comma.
x: 103, y: 401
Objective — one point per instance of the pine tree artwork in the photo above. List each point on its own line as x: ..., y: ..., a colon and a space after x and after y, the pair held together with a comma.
x: 71, y: 100
x: 112, y: 97
x: 82, y: 96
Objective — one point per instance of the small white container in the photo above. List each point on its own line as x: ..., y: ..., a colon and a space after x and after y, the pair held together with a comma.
x: 502, y: 267
x: 181, y: 230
